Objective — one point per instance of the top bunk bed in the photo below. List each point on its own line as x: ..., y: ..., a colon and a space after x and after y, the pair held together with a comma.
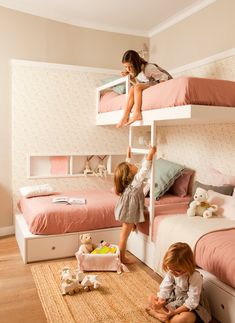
x: 183, y: 100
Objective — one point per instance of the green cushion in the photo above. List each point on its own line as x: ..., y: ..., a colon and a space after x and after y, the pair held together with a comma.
x: 120, y: 88
x: 166, y: 172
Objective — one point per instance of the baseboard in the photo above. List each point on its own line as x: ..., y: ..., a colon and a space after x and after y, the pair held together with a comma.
x: 6, y: 231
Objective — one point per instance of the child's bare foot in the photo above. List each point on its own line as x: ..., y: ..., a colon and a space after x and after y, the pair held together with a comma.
x: 151, y: 312
x: 135, y: 117
x: 122, y: 122
x: 126, y: 260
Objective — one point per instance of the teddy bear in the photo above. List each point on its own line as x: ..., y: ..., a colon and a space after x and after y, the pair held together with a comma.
x: 200, y: 206
x: 86, y: 244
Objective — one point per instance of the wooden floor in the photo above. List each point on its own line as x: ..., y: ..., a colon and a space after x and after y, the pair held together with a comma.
x: 19, y: 301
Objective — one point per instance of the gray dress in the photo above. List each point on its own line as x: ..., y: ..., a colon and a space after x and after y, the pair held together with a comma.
x: 130, y: 206
x: 187, y: 291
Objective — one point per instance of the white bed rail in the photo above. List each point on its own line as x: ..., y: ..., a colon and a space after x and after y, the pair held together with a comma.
x: 100, y: 89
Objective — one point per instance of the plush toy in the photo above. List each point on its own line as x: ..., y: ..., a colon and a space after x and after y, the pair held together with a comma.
x: 74, y: 281
x: 86, y: 243
x: 90, y: 282
x: 71, y: 281
x: 200, y: 206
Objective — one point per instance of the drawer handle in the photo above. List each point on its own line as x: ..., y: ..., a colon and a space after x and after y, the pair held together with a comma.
x: 53, y: 248
x: 222, y: 306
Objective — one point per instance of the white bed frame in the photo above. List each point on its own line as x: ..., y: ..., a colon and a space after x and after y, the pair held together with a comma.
x: 44, y: 247
x: 220, y: 295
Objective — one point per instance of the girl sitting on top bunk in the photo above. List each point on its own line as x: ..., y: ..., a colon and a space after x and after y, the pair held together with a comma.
x: 142, y: 75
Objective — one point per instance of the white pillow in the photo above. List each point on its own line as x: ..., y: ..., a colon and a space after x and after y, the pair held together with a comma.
x: 36, y: 190
x: 225, y: 203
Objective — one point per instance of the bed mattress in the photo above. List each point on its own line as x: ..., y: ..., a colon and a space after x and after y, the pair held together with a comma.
x: 45, y: 217
x: 177, y: 92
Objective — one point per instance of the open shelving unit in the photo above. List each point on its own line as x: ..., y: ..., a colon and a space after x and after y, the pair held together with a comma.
x: 70, y: 165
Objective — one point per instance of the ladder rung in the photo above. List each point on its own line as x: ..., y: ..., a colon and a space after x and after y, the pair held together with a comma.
x: 139, y: 151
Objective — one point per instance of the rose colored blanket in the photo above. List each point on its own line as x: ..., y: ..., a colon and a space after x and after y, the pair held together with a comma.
x: 215, y: 253
x: 45, y: 217
x: 177, y: 92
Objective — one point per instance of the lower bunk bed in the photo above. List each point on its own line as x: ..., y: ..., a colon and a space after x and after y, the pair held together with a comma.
x: 213, y: 242
x: 46, y: 230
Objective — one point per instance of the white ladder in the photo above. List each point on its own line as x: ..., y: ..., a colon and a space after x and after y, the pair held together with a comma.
x: 152, y: 178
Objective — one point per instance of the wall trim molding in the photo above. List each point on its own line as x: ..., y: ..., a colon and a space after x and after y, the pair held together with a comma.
x: 207, y: 60
x: 187, y: 12
x: 67, y: 67
x: 6, y: 231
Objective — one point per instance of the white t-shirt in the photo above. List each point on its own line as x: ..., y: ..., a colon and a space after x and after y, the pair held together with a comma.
x: 151, y: 73
x: 183, y: 285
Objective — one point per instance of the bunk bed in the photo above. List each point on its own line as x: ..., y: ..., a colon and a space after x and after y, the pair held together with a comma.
x: 201, y: 102
x: 35, y: 247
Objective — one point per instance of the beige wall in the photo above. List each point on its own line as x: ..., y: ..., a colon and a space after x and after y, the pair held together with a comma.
x: 206, y: 33
x: 28, y: 37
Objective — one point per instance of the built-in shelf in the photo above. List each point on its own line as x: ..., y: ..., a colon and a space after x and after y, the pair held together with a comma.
x: 72, y: 165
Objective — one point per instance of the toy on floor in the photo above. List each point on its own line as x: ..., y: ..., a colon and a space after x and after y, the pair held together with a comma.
x: 86, y: 243
x: 200, y: 205
x: 73, y: 282
x: 104, y: 248
x: 90, y: 282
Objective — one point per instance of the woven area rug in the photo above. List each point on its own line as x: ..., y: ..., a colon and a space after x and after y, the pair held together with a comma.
x: 121, y: 298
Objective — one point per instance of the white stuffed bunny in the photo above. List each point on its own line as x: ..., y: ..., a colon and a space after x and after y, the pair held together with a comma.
x: 200, y: 206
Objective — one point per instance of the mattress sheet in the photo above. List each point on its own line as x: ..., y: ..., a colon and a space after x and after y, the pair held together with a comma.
x: 215, y: 253
x: 177, y: 92
x: 45, y: 217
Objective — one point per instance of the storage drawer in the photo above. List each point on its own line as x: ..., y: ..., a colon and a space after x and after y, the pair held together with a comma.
x: 51, y: 247
x: 221, y: 302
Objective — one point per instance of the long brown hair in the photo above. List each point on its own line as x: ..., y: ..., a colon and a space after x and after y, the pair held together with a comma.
x: 132, y: 57
x: 122, y: 177
x: 181, y: 256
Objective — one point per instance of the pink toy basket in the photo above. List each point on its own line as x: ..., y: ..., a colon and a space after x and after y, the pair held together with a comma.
x: 100, y: 262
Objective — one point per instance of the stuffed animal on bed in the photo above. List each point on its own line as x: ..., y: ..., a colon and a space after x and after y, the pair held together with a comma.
x: 200, y: 205
x: 86, y: 244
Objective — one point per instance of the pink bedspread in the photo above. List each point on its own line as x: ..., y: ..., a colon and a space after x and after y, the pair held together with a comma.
x: 45, y: 217
x: 215, y: 253
x: 176, y: 92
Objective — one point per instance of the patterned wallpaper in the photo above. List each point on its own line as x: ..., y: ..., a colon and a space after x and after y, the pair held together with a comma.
x: 53, y: 112
x: 223, y: 69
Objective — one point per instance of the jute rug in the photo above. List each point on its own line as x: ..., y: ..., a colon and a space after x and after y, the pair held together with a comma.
x: 121, y: 298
